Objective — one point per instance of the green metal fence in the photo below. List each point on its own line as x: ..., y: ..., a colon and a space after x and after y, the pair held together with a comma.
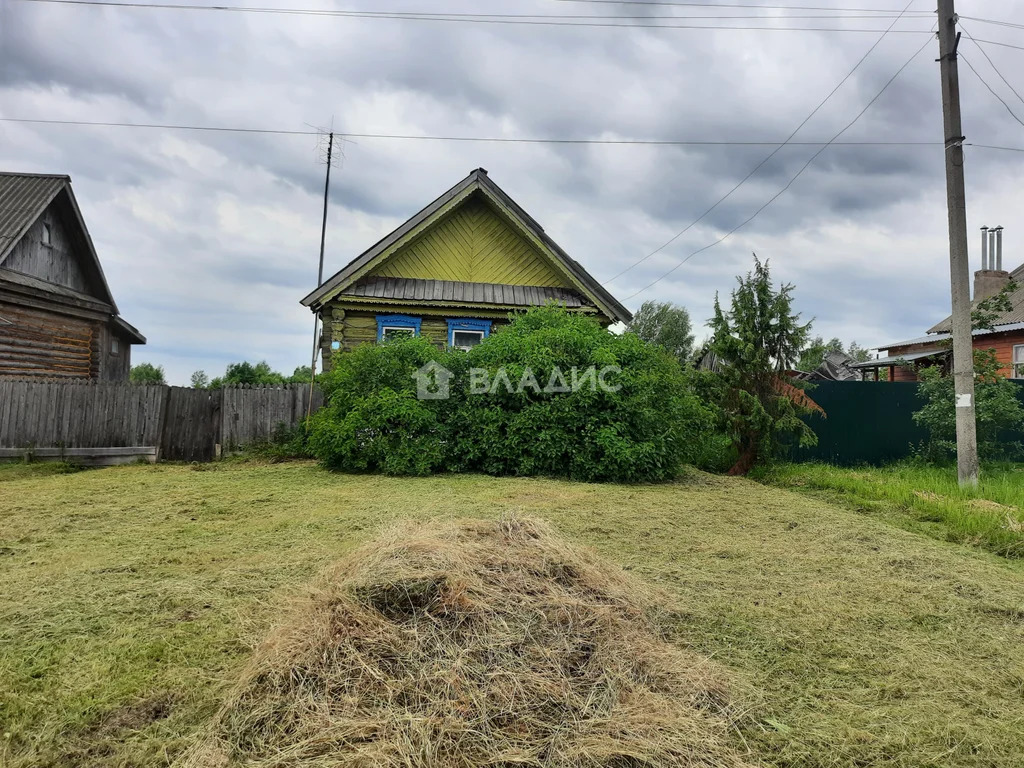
x: 867, y: 422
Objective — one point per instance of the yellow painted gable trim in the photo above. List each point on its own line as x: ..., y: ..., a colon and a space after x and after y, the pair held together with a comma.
x: 504, y: 212
x: 473, y: 244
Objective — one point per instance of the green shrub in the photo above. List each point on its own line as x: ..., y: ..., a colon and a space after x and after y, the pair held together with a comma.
x: 643, y: 428
x: 998, y: 412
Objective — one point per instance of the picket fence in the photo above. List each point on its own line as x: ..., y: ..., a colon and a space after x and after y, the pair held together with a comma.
x: 103, y: 423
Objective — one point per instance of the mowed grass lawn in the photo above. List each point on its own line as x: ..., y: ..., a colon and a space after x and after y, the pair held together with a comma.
x: 922, y: 498
x: 131, y: 597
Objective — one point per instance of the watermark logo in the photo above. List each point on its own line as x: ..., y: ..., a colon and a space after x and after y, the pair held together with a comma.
x: 433, y: 381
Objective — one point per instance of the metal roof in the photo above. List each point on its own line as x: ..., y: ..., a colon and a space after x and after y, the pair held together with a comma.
x: 896, y: 359
x: 1015, y: 315
x: 23, y: 197
x: 943, y: 336
x: 476, y: 182
x: 452, y: 291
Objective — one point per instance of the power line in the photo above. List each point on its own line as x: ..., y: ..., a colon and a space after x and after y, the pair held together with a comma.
x: 763, y: 162
x: 477, y: 139
x: 996, y: 42
x: 444, y: 17
x: 991, y: 90
x: 456, y: 15
x: 492, y: 139
x: 743, y: 5
x: 995, y: 22
x: 993, y: 65
x: 779, y: 194
x: 991, y: 146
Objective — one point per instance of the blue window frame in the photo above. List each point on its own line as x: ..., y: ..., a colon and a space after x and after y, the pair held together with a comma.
x: 464, y: 333
x: 397, y: 324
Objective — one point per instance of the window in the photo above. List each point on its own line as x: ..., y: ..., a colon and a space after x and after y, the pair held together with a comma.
x: 397, y: 326
x: 115, y: 346
x: 47, y: 234
x: 466, y: 339
x: 1018, y: 362
x: 464, y: 333
x: 388, y: 332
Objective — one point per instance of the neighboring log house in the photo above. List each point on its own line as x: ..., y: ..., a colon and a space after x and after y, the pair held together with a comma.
x: 453, y: 273
x: 903, y: 359
x: 57, y: 315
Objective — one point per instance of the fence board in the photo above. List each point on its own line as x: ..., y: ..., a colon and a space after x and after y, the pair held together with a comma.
x: 187, y: 424
x: 867, y: 422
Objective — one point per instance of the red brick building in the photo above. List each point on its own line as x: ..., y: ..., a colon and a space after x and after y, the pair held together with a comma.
x: 903, y: 359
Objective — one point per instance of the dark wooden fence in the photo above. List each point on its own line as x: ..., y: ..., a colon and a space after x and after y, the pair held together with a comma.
x: 174, y: 423
x: 868, y: 422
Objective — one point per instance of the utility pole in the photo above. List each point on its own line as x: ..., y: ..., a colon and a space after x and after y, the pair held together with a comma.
x: 320, y: 273
x: 959, y: 266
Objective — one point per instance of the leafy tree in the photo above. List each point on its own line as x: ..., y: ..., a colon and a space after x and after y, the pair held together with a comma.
x: 987, y: 311
x: 816, y: 352
x: 200, y: 380
x: 247, y: 373
x: 858, y: 353
x: 664, y: 324
x: 996, y: 407
x: 814, y: 355
x: 757, y: 340
x: 147, y: 373
x: 997, y: 410
x: 301, y: 375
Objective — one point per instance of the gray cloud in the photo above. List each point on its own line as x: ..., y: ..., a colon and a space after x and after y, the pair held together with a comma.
x: 209, y: 240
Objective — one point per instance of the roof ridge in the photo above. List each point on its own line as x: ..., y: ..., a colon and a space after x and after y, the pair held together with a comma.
x: 36, y: 175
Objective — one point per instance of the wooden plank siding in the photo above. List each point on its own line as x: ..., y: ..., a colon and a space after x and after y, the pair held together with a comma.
x: 473, y: 245
x: 1003, y: 344
x: 187, y: 424
x: 55, y: 263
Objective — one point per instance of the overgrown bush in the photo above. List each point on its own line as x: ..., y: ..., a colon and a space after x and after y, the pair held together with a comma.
x: 550, y: 394
x: 998, y: 412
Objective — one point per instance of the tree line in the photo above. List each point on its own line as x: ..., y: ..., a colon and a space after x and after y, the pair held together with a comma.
x: 235, y: 374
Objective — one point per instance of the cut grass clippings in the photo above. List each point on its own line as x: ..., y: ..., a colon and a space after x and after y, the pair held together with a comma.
x: 922, y: 498
x: 473, y: 643
x: 132, y: 599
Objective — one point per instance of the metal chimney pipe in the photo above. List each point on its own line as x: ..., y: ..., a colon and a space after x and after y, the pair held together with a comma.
x: 992, y: 248
x: 984, y: 247
x: 999, y: 248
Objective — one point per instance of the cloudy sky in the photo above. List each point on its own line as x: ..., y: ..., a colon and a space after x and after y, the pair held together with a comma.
x: 209, y: 240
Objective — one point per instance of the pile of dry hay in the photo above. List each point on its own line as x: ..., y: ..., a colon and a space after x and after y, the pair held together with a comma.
x: 472, y: 644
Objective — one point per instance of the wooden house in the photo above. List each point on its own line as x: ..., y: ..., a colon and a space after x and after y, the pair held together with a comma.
x: 57, y: 315
x: 903, y: 359
x: 453, y: 273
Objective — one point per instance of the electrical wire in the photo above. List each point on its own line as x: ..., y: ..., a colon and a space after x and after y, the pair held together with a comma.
x: 782, y: 191
x: 760, y: 165
x: 1001, y: 44
x: 494, y: 139
x: 741, y: 5
x: 990, y: 88
x: 479, y: 139
x: 995, y: 22
x: 466, y: 19
x: 992, y: 64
